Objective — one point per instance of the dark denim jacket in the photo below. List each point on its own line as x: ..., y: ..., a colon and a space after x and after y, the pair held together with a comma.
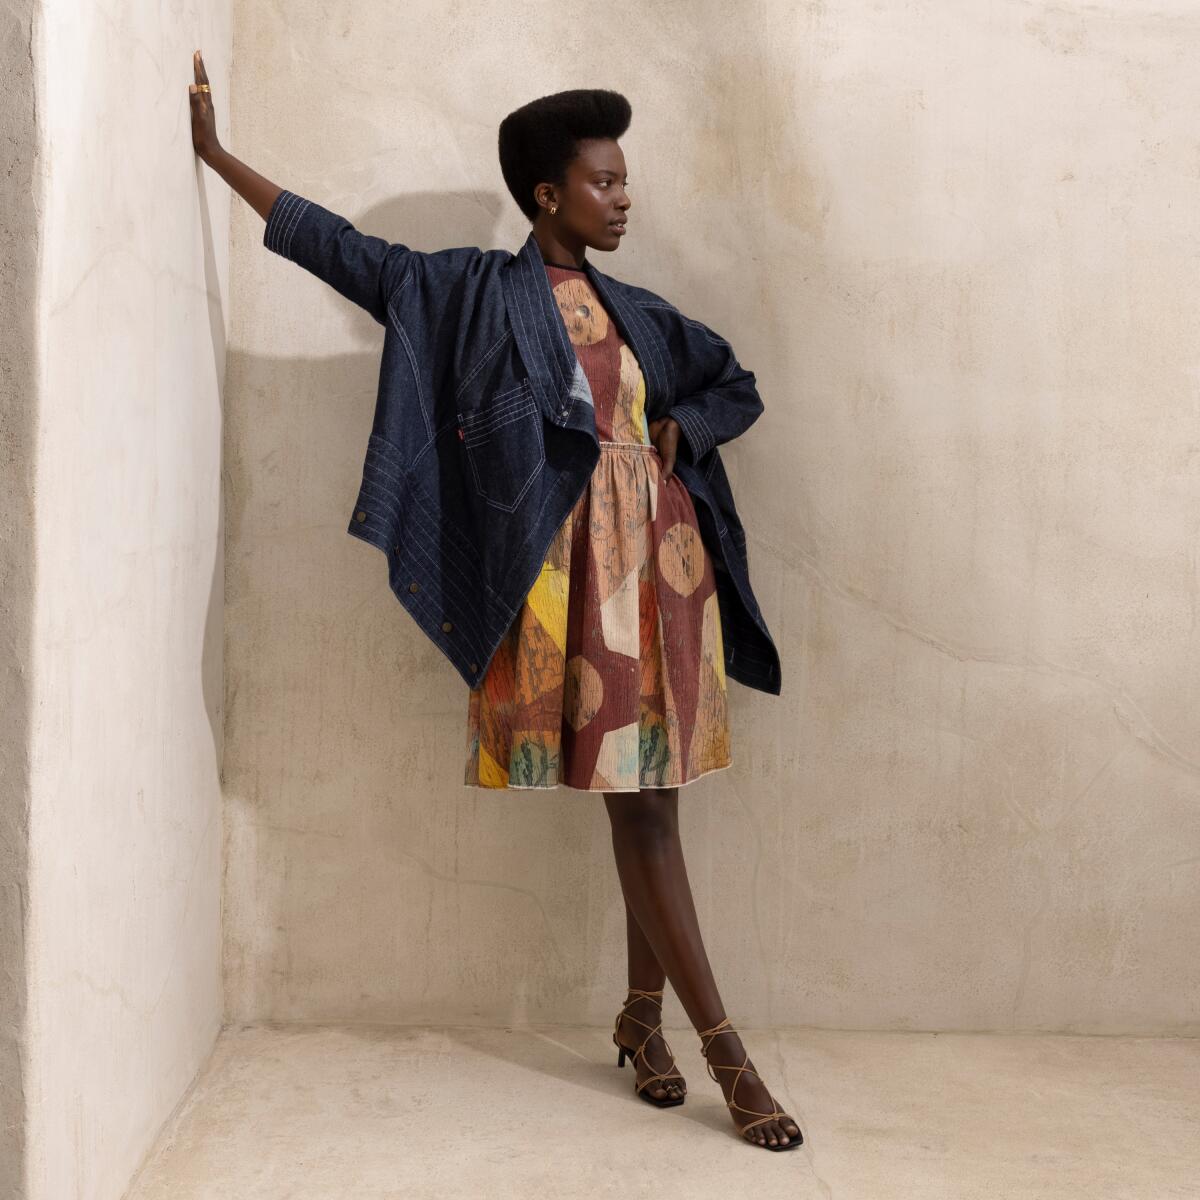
x: 484, y: 432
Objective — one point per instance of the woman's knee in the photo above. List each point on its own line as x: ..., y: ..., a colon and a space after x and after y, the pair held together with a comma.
x: 652, y: 813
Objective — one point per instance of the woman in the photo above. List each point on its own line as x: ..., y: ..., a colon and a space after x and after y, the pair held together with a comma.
x: 610, y: 677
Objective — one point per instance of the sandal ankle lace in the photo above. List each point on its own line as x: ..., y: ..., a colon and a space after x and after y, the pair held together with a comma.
x: 724, y: 1026
x: 640, y: 1052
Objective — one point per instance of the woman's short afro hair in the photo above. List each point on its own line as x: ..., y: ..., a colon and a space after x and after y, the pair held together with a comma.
x: 538, y: 140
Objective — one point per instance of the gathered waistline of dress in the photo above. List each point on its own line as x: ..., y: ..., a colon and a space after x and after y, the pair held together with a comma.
x: 644, y: 447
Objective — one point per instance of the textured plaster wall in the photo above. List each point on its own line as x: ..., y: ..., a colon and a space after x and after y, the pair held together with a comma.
x: 20, y: 240
x: 957, y: 245
x: 123, y: 945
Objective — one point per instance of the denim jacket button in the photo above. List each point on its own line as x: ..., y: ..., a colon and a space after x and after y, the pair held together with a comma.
x: 414, y: 586
x: 446, y: 627
x: 360, y: 515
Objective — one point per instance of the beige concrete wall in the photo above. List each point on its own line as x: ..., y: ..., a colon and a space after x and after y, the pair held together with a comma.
x: 123, y: 891
x: 957, y: 245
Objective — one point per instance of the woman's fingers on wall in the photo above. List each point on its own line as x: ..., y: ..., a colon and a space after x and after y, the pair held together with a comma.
x: 204, y: 126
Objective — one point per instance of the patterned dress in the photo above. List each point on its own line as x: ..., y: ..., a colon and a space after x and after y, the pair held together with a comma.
x: 612, y: 674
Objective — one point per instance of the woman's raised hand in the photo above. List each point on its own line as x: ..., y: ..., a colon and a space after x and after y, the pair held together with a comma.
x: 204, y: 122
x: 258, y: 191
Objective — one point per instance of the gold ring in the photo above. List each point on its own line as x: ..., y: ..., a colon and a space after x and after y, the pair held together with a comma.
x: 203, y: 87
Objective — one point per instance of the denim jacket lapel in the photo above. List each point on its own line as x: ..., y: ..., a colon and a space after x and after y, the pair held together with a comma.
x: 559, y: 382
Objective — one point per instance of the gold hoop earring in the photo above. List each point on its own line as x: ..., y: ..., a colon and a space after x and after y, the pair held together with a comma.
x: 553, y: 209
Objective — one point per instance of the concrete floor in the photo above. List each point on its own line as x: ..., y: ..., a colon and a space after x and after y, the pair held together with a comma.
x: 328, y: 1112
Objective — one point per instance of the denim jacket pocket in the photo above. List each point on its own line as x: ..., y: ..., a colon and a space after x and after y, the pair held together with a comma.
x: 504, y: 445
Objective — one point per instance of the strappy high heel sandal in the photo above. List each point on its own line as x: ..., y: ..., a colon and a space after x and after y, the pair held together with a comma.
x: 794, y: 1140
x: 667, y: 1101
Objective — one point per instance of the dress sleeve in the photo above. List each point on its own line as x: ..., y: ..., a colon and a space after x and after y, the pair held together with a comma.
x: 363, y: 268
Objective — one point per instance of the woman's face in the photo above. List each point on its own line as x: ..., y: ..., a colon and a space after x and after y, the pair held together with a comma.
x: 592, y: 206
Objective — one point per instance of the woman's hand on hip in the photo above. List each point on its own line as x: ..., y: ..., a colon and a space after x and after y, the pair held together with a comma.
x: 664, y: 433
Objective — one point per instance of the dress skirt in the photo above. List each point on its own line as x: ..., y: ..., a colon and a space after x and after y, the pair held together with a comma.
x: 612, y: 676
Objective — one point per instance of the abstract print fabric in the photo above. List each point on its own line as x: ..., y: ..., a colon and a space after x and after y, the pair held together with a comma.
x: 612, y: 674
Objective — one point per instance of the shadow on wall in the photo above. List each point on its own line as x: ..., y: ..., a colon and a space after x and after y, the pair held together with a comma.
x: 212, y: 670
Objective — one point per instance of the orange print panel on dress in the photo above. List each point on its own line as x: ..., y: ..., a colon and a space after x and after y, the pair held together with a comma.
x: 710, y: 733
x: 585, y: 318
x: 537, y: 668
x: 629, y: 409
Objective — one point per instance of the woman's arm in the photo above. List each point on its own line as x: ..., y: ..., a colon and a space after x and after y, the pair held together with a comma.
x: 716, y: 398
x: 363, y: 268
x: 258, y: 192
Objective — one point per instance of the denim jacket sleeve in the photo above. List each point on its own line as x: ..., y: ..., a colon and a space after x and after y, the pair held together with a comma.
x: 716, y: 399
x: 364, y: 268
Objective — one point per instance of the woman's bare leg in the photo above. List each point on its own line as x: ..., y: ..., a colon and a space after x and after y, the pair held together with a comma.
x: 645, y: 834
x: 645, y: 971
